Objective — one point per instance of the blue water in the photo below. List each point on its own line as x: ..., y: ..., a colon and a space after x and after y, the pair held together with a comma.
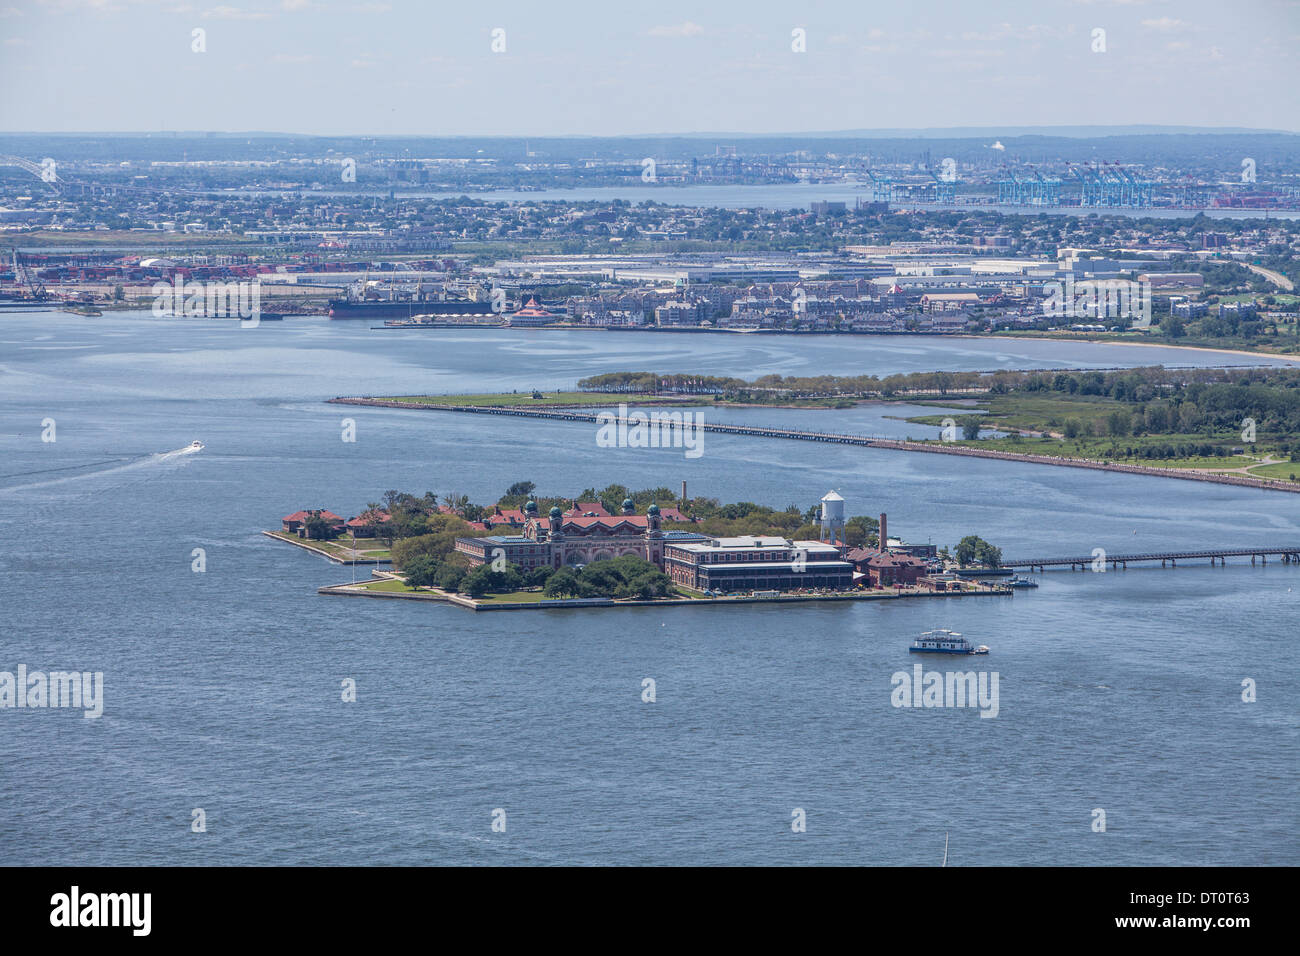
x: 788, y: 196
x: 1119, y: 691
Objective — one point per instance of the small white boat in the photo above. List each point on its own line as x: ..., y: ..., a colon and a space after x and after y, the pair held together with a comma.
x: 196, y: 445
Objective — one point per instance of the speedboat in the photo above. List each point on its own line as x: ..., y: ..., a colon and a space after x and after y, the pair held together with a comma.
x: 196, y: 445
x: 944, y: 641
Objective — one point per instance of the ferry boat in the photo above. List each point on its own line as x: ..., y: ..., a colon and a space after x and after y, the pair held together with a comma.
x: 944, y: 641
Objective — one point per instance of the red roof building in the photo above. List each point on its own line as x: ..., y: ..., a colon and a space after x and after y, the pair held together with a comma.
x: 295, y: 522
x: 884, y: 569
x: 364, y: 524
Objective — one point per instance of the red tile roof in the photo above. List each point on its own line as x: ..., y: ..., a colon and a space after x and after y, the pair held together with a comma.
x: 304, y: 515
x: 885, y: 559
x: 367, y: 518
x: 585, y: 523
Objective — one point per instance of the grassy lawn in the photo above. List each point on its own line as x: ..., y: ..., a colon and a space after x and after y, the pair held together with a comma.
x: 1095, y: 449
x: 388, y: 584
x: 514, y: 597
x: 1282, y: 470
x: 1034, y: 412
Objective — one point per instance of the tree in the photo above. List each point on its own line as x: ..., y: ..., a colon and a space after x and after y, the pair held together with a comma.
x: 520, y: 488
x: 421, y: 571
x: 318, y: 529
x: 478, y: 581
x: 538, y: 577
x: 970, y: 429
x: 451, y: 573
x: 973, y: 549
x: 563, y: 583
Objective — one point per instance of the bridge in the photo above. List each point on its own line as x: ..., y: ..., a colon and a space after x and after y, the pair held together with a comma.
x: 837, y: 438
x: 1166, y: 558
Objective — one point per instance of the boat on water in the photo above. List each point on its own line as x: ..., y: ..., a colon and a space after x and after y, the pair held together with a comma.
x: 944, y: 641
x: 196, y: 445
x: 1022, y: 582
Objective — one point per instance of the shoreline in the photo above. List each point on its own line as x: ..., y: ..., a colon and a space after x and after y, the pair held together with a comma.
x: 561, y: 604
x: 1142, y: 345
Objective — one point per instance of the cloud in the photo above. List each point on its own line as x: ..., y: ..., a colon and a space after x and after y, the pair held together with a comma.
x: 687, y: 29
x: 234, y: 13
x: 292, y: 58
x: 1165, y: 24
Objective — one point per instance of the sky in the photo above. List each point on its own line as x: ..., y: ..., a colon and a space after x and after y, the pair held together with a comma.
x: 339, y: 67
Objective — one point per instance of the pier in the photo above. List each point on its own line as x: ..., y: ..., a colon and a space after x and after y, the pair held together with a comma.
x: 866, y: 441
x: 1288, y: 555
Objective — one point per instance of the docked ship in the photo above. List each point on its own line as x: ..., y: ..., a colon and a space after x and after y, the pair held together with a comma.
x: 944, y: 641
x: 406, y: 308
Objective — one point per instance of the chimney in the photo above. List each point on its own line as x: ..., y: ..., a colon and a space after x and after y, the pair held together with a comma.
x: 683, y: 492
x: 884, y: 533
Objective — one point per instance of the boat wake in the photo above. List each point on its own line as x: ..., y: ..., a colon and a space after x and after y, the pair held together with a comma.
x: 99, y: 469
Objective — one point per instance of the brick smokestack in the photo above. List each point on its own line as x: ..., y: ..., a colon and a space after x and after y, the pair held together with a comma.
x: 884, y: 533
x: 683, y: 492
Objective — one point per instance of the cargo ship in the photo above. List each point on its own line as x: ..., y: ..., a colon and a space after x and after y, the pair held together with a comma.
x: 405, y: 308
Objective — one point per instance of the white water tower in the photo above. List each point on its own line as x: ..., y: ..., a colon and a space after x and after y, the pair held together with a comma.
x: 832, y: 517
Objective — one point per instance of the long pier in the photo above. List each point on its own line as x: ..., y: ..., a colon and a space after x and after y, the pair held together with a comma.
x: 866, y: 441
x: 1288, y: 555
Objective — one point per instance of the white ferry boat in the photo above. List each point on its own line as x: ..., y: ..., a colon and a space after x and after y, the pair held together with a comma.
x: 944, y: 641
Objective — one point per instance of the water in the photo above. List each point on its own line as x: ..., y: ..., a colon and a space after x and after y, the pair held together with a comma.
x: 781, y: 196
x: 1119, y: 691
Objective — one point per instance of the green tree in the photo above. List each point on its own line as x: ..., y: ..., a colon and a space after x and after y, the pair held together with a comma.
x: 973, y: 550
x: 563, y: 583
x: 421, y: 571
x: 318, y: 529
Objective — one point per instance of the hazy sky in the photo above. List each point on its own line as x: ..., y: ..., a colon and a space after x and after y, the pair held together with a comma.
x: 609, y: 68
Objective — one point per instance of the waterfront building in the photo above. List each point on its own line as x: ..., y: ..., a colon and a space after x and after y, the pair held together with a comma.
x: 533, y: 314
x: 582, y: 535
x: 368, y: 523
x: 892, y: 563
x: 756, y: 563
x: 296, y: 523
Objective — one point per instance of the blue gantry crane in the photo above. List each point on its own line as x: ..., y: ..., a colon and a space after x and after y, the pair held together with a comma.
x: 1035, y: 191
x: 883, y: 188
